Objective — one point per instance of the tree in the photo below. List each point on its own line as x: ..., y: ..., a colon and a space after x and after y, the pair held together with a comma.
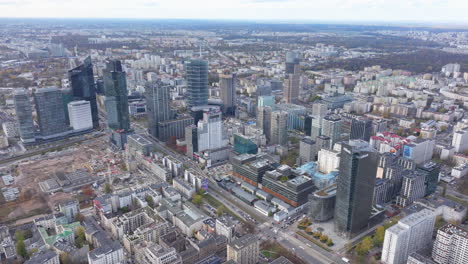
x: 220, y: 210
x: 379, y: 236
x: 308, y: 230
x: 125, y: 209
x: 64, y: 258
x: 32, y: 251
x: 107, y: 188
x: 21, y: 249
x: 329, y: 242
x: 197, y: 199
x: 79, y: 217
x: 284, y: 178
x: 80, y: 237
x: 19, y: 235
x: 323, y: 238
x: 365, y: 245
x: 149, y: 200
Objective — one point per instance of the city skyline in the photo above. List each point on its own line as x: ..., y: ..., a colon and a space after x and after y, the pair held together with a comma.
x: 384, y: 11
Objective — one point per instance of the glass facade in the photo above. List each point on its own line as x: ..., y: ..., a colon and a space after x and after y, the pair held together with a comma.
x: 197, y: 82
x: 115, y: 86
x: 50, y: 111
x: 244, y: 145
x: 24, y: 116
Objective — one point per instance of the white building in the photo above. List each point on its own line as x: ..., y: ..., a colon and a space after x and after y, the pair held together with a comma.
x: 451, y: 245
x: 111, y: 253
x: 328, y: 161
x: 211, y: 131
x: 156, y: 254
x: 412, y: 233
x: 80, y: 115
x: 419, y: 150
x: 460, y: 140
x: 10, y: 129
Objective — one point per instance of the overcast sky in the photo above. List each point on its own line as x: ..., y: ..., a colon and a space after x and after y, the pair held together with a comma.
x: 313, y: 10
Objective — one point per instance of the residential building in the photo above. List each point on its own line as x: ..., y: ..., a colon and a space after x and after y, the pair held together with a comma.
x: 460, y: 140
x: 80, y: 116
x: 411, y: 234
x: 44, y: 257
x: 244, y: 250
x: 419, y: 150
x: 70, y: 209
x: 358, y: 166
x: 279, y: 132
x: 153, y: 253
x: 225, y: 227
x: 307, y: 150
x: 331, y: 127
x: 451, y: 245
x: 413, y: 188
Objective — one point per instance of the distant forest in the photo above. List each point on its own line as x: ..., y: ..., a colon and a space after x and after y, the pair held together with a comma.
x: 421, y: 61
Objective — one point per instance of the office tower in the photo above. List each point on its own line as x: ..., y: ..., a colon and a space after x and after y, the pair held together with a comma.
x: 244, y: 250
x: 67, y: 97
x: 412, y: 233
x: 24, y: 116
x: 316, y: 129
x: 308, y: 124
x: 116, y: 102
x: 244, y: 144
x: 331, y: 127
x: 264, y: 120
x: 307, y: 150
x: 431, y: 171
x: 227, y: 86
x: 157, y: 106
x: 263, y: 90
x: 361, y: 128
x: 211, y: 131
x: 451, y: 245
x: 291, y: 88
x: 197, y: 83
x: 322, y: 142
x: 419, y: 150
x: 80, y: 115
x: 50, y: 112
x: 265, y: 100
x: 279, y: 132
x: 293, y: 59
x: 412, y: 188
x: 358, y: 165
x: 83, y: 87
x: 460, y: 140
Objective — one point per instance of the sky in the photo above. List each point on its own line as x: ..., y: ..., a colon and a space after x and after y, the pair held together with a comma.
x: 433, y: 11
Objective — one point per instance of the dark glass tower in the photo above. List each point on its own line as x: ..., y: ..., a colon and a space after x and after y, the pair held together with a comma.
x: 83, y: 87
x: 24, y: 116
x: 50, y: 112
x: 227, y: 86
x: 197, y: 82
x: 355, y: 187
x: 157, y: 105
x: 115, y: 90
x: 361, y: 128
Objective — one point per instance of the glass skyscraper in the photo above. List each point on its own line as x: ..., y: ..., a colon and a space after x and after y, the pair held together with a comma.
x: 24, y: 116
x: 355, y: 187
x: 83, y: 87
x: 157, y: 105
x: 197, y: 82
x: 50, y: 112
x: 115, y: 86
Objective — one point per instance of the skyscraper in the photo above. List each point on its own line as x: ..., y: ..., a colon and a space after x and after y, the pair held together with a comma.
x: 291, y: 88
x: 358, y: 166
x: 451, y: 245
x: 197, y: 83
x: 412, y: 233
x: 24, y: 116
x: 264, y: 120
x: 80, y: 115
x: 279, y: 132
x: 211, y: 131
x: 83, y: 87
x: 116, y: 102
x: 157, y: 106
x: 331, y: 127
x: 227, y: 86
x: 292, y: 62
x: 361, y: 128
x: 115, y: 86
x: 50, y: 112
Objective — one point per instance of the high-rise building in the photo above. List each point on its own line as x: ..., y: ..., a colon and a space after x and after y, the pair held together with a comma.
x: 460, y: 140
x: 361, y: 128
x: 211, y: 131
x: 115, y: 86
x: 24, y: 116
x: 174, y: 128
x: 116, y: 102
x: 244, y: 250
x: 358, y: 166
x: 157, y: 105
x: 227, y: 86
x: 264, y: 120
x: 319, y: 109
x: 451, y: 245
x: 419, y: 150
x: 412, y: 233
x: 431, y: 171
x: 412, y: 188
x: 279, y: 132
x: 197, y: 83
x: 331, y: 127
x: 50, y: 112
x: 191, y: 139
x: 307, y: 150
x: 291, y: 88
x: 83, y: 87
x: 293, y: 59
x: 80, y: 115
